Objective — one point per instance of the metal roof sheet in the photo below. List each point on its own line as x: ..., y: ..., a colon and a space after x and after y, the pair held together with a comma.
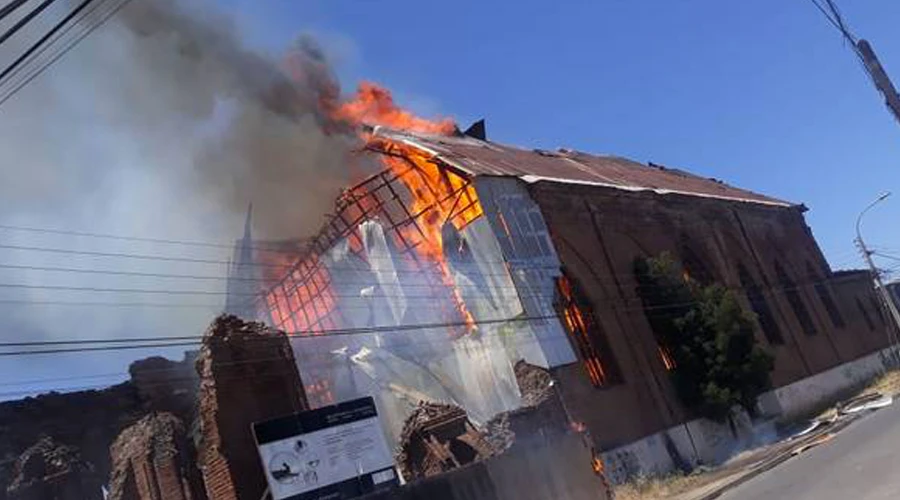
x: 477, y: 157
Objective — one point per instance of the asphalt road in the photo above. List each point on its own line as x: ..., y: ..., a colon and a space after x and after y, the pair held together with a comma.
x: 860, y: 463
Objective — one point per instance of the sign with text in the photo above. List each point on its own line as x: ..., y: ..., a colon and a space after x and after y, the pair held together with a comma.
x: 335, y: 453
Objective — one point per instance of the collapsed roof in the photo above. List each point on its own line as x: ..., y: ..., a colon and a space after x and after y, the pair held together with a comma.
x: 476, y: 157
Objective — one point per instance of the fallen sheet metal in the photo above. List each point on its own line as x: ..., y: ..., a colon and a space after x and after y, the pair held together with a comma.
x: 864, y: 405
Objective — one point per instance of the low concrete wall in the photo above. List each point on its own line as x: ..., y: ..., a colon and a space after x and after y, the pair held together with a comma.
x: 802, y: 397
x: 559, y: 469
x: 685, y: 446
x: 702, y: 441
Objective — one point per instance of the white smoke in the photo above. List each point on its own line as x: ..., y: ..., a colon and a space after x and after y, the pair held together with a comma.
x: 162, y: 123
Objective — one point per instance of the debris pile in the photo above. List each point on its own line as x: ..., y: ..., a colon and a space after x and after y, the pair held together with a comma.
x: 498, y: 432
x: 540, y: 416
x: 49, y: 469
x: 439, y: 437
x: 535, y: 383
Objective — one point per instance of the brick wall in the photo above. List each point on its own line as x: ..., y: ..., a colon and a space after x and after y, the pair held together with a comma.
x: 152, y: 460
x: 599, y: 232
x: 247, y: 374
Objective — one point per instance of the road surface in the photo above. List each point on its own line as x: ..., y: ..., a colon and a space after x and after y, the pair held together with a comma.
x: 860, y: 463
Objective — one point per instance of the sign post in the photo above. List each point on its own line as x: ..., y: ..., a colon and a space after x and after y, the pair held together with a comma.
x: 337, y: 452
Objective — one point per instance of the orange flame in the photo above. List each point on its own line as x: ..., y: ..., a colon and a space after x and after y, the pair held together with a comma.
x: 374, y: 105
x: 577, y: 325
x: 438, y: 195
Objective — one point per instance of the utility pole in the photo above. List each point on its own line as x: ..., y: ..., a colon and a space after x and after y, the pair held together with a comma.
x: 879, y: 285
x: 879, y: 77
x: 866, y: 54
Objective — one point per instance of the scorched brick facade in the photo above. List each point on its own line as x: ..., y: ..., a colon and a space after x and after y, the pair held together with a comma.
x: 529, y: 255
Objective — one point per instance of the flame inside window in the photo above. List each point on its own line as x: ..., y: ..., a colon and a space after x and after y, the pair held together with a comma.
x: 666, y: 356
x: 588, y: 336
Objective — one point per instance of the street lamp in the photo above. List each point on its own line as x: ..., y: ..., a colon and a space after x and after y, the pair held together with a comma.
x: 867, y: 255
x: 859, y: 218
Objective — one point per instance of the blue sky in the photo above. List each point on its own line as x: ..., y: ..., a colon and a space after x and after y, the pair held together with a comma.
x: 762, y: 94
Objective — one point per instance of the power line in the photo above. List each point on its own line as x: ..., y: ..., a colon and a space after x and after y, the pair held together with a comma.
x: 56, y: 38
x: 27, y: 18
x: 192, y: 260
x: 108, y: 304
x: 886, y: 256
x: 326, y: 333
x: 383, y: 329
x: 833, y: 15
x: 140, y: 274
x: 91, y: 349
x: 255, y: 246
x: 10, y: 7
x: 41, y: 41
x: 63, y: 52
x: 166, y: 291
x: 164, y: 258
x: 196, y: 340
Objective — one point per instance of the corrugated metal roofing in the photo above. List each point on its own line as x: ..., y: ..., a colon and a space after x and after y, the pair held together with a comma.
x: 477, y: 157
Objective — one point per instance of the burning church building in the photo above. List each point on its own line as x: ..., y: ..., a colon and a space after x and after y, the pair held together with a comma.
x: 461, y: 257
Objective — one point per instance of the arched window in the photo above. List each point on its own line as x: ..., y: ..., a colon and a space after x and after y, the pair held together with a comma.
x: 789, y: 288
x: 760, y: 306
x: 865, y: 314
x: 693, y: 266
x: 587, y: 334
x: 825, y: 296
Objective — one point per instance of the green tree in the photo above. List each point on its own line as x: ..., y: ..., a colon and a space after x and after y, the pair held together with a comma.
x: 708, y: 336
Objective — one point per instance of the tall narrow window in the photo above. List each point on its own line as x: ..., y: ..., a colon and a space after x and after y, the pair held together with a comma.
x: 693, y: 267
x: 825, y: 296
x: 587, y: 334
x: 879, y: 310
x: 789, y: 288
x: 760, y: 306
x: 865, y: 314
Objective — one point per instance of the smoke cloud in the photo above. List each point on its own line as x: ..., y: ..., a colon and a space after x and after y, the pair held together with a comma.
x: 162, y: 123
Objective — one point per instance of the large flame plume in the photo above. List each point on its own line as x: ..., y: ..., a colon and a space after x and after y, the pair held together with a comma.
x: 438, y: 197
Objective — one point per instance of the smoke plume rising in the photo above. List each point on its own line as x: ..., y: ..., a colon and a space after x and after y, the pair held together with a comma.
x: 162, y: 123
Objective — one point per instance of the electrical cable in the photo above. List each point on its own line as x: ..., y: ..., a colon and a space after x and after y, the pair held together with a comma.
x: 10, y: 8
x: 27, y: 18
x: 42, y: 40
x: 169, y: 241
x: 387, y: 329
x: 63, y: 52
x: 196, y: 340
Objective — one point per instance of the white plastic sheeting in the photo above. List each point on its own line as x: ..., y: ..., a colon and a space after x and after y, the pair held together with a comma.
x: 503, y: 265
x: 525, y: 243
x: 400, y: 363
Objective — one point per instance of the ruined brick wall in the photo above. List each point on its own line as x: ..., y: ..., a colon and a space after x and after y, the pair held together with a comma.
x: 436, y: 438
x: 247, y: 374
x: 598, y: 233
x: 49, y: 470
x: 87, y: 420
x: 91, y: 420
x: 153, y: 460
x: 164, y: 385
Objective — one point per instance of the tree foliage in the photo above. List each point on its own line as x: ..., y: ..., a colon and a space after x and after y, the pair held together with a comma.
x: 708, y: 335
